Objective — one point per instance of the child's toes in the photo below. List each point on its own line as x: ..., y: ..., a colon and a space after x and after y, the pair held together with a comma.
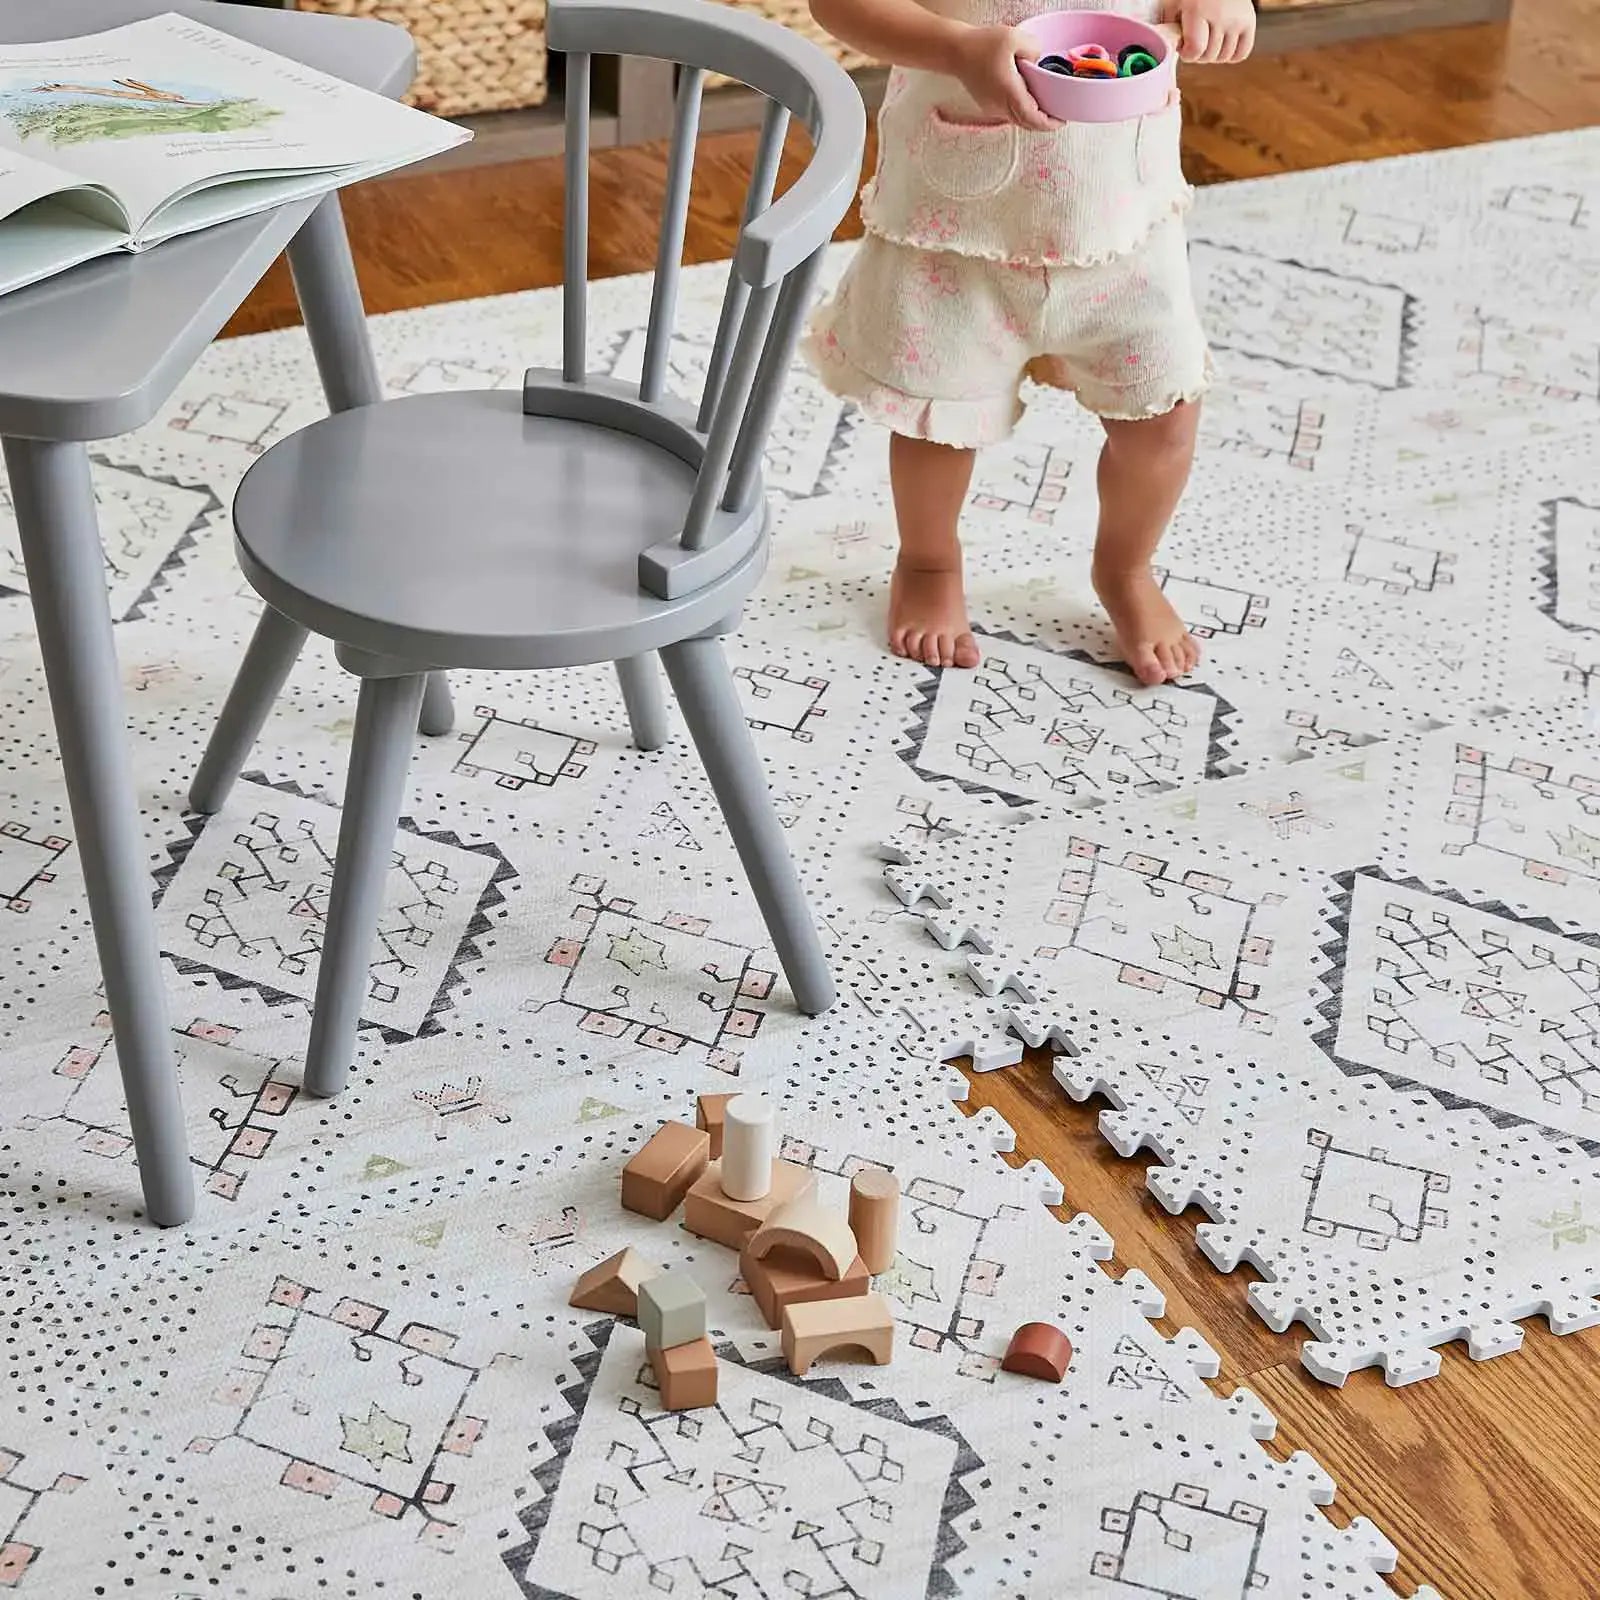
x: 1146, y: 665
x: 966, y: 651
x: 938, y: 649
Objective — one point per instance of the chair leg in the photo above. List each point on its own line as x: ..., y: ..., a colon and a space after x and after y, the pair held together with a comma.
x: 647, y: 706
x: 438, y: 709
x: 380, y: 756
x: 274, y: 648
x: 703, y: 684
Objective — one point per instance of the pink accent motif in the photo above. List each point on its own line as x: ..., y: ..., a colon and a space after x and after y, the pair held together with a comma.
x: 431, y: 1341
x: 389, y: 1505
x: 308, y: 1479
x: 463, y: 1436
x: 564, y: 953
x: 931, y: 224
x: 286, y: 1292
x: 358, y: 1314
x: 15, y: 1559
x: 936, y: 280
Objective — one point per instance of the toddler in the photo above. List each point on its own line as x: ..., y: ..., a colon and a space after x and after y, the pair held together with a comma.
x: 1002, y: 245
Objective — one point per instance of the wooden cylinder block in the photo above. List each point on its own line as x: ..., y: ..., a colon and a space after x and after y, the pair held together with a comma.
x: 749, y: 1144
x: 874, y: 1216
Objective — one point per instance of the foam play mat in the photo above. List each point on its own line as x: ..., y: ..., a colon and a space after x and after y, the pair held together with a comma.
x: 1320, y: 923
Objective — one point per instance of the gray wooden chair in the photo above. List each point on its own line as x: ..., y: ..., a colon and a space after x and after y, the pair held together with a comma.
x: 582, y: 520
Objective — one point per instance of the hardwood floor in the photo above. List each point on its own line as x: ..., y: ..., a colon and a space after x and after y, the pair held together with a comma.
x: 1483, y: 1476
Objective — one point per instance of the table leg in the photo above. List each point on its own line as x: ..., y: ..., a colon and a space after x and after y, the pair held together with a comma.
x: 60, y: 538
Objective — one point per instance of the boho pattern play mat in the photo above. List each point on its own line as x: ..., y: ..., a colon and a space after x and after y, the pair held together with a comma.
x: 1320, y: 923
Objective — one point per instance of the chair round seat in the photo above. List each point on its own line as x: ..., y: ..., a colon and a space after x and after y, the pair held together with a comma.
x: 451, y: 530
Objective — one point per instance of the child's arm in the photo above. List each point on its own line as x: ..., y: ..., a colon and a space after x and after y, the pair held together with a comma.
x: 1214, y: 30
x: 905, y: 34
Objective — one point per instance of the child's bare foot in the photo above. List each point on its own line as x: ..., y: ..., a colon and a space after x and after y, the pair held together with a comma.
x: 928, y: 616
x: 1154, y: 641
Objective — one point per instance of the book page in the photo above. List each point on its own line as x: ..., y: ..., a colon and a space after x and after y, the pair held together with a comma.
x: 160, y: 108
x: 24, y: 180
x: 47, y: 237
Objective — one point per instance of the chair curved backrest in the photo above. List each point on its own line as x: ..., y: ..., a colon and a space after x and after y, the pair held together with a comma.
x: 770, y: 282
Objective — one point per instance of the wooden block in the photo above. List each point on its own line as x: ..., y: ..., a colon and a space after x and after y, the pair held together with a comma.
x: 749, y: 1147
x: 813, y: 1230
x: 686, y: 1375
x: 788, y: 1277
x: 708, y: 1212
x: 708, y: 1115
x: 814, y: 1327
x: 655, y: 1181
x: 875, y: 1216
x: 672, y: 1310
x: 1038, y: 1350
x: 613, y: 1284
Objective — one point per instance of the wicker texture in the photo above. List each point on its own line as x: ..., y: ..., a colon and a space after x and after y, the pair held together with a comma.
x: 472, y: 55
x: 796, y: 15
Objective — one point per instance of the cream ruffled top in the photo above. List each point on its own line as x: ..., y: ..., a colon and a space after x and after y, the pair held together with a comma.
x: 950, y: 179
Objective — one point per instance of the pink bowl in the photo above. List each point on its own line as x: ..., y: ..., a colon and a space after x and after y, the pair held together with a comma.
x: 1098, y: 99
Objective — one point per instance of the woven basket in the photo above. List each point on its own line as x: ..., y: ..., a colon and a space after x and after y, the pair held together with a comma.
x: 472, y: 55
x: 796, y: 15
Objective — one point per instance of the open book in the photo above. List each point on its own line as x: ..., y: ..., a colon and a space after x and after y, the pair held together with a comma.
x: 121, y: 139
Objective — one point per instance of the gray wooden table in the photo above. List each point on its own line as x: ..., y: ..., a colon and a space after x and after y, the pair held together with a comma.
x: 93, y: 354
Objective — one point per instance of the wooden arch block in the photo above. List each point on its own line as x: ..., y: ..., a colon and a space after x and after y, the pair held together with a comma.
x: 1038, y: 1350
x: 814, y: 1327
x: 811, y: 1230
x: 613, y: 1284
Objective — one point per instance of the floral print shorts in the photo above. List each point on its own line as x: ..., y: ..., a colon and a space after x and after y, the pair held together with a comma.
x: 937, y: 346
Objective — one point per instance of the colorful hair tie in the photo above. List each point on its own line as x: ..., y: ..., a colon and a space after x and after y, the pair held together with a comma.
x: 1134, y: 60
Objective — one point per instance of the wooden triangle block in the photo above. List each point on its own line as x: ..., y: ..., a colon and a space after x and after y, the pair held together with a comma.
x: 613, y: 1285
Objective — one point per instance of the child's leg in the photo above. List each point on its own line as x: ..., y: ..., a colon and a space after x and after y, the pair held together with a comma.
x: 927, y: 600
x: 1143, y: 469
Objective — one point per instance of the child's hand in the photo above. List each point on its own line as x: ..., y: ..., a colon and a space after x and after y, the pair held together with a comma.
x: 986, y: 64
x: 1216, y: 30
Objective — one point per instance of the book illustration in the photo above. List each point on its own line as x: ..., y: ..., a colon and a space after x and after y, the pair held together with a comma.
x: 124, y: 108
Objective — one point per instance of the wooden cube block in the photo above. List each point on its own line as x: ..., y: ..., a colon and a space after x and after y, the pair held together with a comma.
x: 686, y: 1375
x: 613, y: 1285
x: 672, y: 1310
x: 708, y: 1115
x: 784, y: 1278
x: 708, y: 1212
x: 655, y: 1181
x: 814, y: 1327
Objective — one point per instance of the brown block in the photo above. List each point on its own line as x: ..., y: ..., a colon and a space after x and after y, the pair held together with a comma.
x: 874, y: 1216
x: 613, y: 1284
x: 656, y: 1180
x: 686, y: 1374
x: 1038, y: 1351
x: 708, y: 1115
x: 814, y: 1327
x: 813, y: 1230
x: 790, y: 1277
x: 708, y: 1212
